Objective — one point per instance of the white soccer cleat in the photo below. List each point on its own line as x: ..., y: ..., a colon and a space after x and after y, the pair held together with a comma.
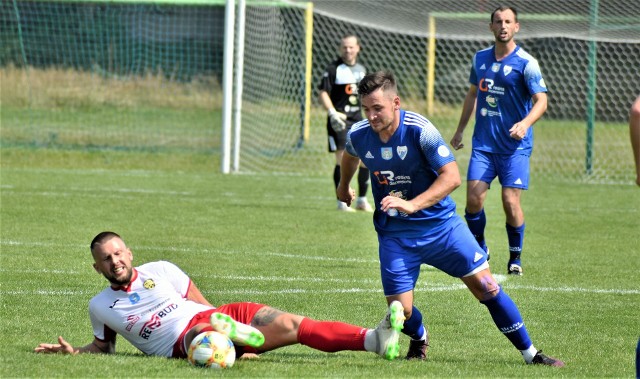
x: 387, y: 333
x: 342, y: 206
x: 363, y: 205
x: 241, y: 334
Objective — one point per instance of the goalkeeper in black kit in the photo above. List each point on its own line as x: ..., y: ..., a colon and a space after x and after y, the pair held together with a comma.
x: 338, y: 94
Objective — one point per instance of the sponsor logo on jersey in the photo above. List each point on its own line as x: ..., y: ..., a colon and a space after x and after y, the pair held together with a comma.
x: 483, y: 67
x: 114, y: 304
x: 155, y: 321
x: 386, y: 153
x: 492, y: 101
x: 368, y: 155
x: 134, y: 298
x: 384, y: 177
x: 402, y: 152
x: 485, y: 84
x: 488, y: 85
x: 132, y: 319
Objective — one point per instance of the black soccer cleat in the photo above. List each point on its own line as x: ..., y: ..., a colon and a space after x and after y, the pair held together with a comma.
x: 541, y: 359
x: 418, y: 349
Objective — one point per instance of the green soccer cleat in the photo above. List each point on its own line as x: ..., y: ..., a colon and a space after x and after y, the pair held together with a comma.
x: 241, y: 334
x: 388, y: 332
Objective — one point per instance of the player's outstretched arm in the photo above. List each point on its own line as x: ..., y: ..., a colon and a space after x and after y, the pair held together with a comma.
x: 467, y: 110
x: 348, y: 168
x: 64, y: 347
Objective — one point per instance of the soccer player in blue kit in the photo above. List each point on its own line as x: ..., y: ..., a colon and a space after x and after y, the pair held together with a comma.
x: 509, y: 95
x: 412, y: 174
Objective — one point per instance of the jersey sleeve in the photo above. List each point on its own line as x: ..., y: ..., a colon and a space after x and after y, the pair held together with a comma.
x: 473, y: 76
x: 434, y: 148
x: 349, y: 145
x: 178, y: 279
x: 100, y: 330
x: 328, y: 76
x: 533, y: 78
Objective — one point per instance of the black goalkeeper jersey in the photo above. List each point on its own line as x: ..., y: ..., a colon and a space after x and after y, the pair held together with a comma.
x: 340, y: 81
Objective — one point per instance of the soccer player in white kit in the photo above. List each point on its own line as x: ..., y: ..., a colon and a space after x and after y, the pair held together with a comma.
x: 159, y: 310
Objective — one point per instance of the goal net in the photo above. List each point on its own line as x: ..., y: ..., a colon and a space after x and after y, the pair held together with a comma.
x: 589, y: 53
x: 145, y: 76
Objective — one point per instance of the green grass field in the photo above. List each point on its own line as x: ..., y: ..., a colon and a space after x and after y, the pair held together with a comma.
x: 278, y: 240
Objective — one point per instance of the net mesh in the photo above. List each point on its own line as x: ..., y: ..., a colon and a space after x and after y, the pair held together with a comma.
x: 116, y: 75
x: 589, y: 53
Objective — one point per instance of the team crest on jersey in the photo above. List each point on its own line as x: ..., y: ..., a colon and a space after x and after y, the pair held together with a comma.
x: 386, y: 153
x: 495, y: 67
x: 149, y: 284
x: 402, y: 152
x: 507, y: 70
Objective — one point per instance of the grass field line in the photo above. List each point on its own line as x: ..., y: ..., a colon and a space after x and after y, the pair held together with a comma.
x: 429, y: 287
x: 289, y: 291
x: 194, y: 251
x: 305, y: 177
x: 426, y: 287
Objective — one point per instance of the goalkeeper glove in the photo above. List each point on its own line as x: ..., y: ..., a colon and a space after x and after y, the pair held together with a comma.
x: 337, y: 120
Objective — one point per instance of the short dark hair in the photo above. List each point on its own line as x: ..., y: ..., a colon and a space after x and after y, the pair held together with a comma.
x: 102, y: 237
x: 350, y: 35
x: 379, y: 79
x: 504, y: 8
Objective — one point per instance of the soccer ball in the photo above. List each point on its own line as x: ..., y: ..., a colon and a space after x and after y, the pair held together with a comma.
x: 213, y: 350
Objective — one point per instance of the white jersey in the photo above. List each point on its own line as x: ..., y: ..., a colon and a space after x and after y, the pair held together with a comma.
x: 151, y: 313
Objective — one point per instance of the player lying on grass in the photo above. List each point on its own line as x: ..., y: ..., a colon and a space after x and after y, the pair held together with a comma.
x: 160, y: 310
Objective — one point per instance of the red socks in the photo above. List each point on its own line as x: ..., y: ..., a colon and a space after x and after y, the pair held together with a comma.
x: 331, y: 336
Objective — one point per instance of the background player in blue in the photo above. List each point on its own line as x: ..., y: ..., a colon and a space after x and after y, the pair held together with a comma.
x: 511, y: 96
x: 338, y: 94
x: 412, y: 174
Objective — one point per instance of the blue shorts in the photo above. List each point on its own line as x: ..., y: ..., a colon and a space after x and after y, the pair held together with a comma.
x: 454, y: 251
x: 512, y: 170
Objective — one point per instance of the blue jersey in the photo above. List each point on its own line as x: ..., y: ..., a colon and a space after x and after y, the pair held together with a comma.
x: 405, y: 167
x: 504, y: 96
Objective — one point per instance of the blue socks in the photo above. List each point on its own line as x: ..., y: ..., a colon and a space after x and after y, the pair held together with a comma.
x: 507, y: 318
x: 413, y: 326
x: 516, y: 241
x: 477, y: 223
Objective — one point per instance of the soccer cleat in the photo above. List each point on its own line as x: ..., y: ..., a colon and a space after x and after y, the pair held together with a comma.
x: 514, y: 269
x: 388, y: 332
x: 418, y: 349
x: 342, y: 206
x: 241, y: 334
x: 541, y: 359
x: 363, y: 205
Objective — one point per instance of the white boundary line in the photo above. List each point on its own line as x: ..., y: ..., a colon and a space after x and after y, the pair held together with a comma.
x: 355, y: 283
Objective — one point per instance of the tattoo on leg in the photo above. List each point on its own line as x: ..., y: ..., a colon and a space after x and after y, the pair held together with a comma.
x: 265, y: 316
